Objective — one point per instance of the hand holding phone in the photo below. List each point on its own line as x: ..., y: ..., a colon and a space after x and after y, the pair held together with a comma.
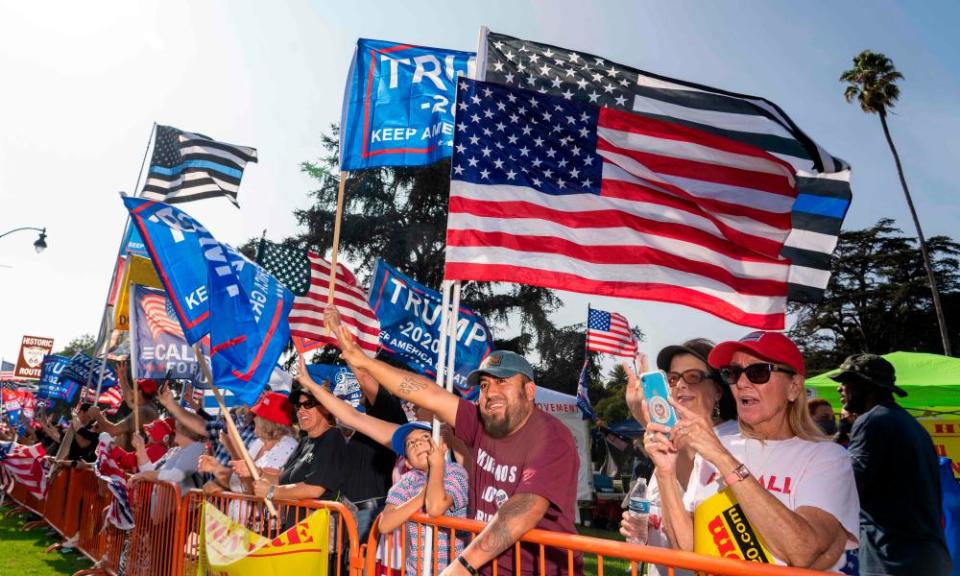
x: 657, y: 395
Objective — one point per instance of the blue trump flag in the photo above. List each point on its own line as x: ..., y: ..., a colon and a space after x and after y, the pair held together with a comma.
x: 341, y: 382
x: 398, y: 104
x: 51, y: 386
x: 583, y: 387
x: 409, y: 315
x: 80, y: 367
x: 248, y: 322
x: 176, y: 243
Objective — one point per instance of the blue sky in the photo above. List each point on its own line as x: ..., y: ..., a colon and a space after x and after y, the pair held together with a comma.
x: 84, y: 81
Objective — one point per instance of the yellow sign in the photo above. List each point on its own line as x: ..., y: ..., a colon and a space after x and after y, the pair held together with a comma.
x: 232, y: 550
x: 946, y: 439
x: 138, y: 270
x: 721, y: 529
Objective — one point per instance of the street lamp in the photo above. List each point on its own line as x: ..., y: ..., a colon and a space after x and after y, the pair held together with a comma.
x: 40, y: 245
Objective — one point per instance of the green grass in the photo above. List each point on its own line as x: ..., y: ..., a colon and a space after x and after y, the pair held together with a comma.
x: 22, y: 553
x: 611, y: 566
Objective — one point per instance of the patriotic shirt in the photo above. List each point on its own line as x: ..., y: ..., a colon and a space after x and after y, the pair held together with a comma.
x: 455, y: 484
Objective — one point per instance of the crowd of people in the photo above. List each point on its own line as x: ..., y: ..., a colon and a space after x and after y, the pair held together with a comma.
x: 746, y: 434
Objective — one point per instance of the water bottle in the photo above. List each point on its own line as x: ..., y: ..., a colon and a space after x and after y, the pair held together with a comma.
x: 638, y: 507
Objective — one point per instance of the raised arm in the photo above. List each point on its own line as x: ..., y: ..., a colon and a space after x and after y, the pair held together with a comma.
x: 190, y: 420
x: 375, y: 428
x: 113, y: 429
x: 401, y: 383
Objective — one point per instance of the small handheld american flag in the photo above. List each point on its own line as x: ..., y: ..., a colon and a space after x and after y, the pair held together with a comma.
x: 609, y: 333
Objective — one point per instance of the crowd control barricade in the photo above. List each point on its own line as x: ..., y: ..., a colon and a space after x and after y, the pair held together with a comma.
x: 55, y: 506
x: 600, y: 556
x: 249, y: 511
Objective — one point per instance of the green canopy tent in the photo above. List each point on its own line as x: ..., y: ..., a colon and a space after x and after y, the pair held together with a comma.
x: 932, y: 383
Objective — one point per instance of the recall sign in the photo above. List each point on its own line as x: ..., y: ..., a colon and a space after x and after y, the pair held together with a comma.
x: 30, y: 361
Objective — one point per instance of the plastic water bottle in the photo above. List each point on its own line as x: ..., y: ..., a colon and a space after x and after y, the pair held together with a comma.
x: 638, y: 507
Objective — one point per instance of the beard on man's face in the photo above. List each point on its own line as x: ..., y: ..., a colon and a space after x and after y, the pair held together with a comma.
x: 500, y: 425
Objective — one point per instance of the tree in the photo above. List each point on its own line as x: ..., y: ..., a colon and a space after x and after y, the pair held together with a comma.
x: 84, y: 343
x: 873, y: 83
x: 400, y: 214
x: 877, y: 299
x: 613, y: 407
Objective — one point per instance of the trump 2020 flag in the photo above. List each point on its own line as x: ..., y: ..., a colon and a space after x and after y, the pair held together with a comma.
x: 409, y: 315
x: 51, y: 387
x: 248, y: 322
x: 176, y: 243
x: 398, y: 104
x: 80, y: 367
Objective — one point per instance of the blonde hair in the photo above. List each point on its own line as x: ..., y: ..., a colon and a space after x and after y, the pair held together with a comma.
x: 798, y: 419
x: 270, y: 430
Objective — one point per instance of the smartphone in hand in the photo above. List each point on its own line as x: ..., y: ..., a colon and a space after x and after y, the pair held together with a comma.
x: 657, y: 393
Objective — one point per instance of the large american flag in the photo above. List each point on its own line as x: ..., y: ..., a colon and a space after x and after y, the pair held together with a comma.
x: 307, y: 275
x: 823, y: 181
x: 609, y: 333
x: 187, y: 166
x: 161, y: 318
x: 557, y: 193
x: 24, y: 465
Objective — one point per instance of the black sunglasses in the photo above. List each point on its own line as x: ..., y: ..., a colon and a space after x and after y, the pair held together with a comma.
x: 756, y: 373
x: 691, y: 377
x: 308, y: 403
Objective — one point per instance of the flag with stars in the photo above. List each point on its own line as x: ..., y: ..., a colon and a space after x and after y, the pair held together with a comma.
x: 558, y: 193
x: 823, y: 181
x: 307, y: 275
x: 609, y: 333
x: 188, y: 166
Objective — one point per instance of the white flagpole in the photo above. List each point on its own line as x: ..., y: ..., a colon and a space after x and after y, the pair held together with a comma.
x: 441, y: 348
x: 452, y: 335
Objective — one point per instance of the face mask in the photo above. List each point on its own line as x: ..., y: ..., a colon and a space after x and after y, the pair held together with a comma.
x: 829, y: 427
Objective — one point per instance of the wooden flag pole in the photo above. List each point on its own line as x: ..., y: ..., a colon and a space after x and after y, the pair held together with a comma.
x: 231, y: 426
x: 336, y: 240
x: 136, y: 407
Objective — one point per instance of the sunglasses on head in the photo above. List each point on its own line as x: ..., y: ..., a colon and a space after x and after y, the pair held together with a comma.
x: 691, y: 377
x: 307, y: 403
x: 756, y: 373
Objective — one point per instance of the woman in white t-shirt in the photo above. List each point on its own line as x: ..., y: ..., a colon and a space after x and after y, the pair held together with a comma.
x: 694, y: 384
x: 778, y: 491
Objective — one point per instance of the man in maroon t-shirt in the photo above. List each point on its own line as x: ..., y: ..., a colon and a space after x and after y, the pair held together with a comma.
x: 523, y: 470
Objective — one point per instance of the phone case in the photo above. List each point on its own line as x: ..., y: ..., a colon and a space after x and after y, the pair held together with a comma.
x: 656, y: 392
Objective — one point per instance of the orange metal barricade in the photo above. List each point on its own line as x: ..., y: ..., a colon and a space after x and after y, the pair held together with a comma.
x: 249, y: 511
x: 603, y: 554
x: 54, y: 505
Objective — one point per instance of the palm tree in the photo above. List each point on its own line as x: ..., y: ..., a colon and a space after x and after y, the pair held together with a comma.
x: 873, y: 83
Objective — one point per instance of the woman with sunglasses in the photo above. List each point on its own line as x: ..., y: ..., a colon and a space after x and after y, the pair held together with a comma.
x: 777, y: 492
x: 694, y: 384
x: 316, y: 468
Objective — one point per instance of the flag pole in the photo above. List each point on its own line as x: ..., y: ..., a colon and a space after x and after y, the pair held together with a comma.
x: 132, y: 326
x: 336, y: 239
x: 231, y: 426
x: 442, y: 348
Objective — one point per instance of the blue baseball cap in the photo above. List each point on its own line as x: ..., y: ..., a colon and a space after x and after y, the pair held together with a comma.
x: 399, y: 440
x: 501, y: 364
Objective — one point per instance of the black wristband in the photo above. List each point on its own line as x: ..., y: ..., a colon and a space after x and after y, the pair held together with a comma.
x: 463, y: 561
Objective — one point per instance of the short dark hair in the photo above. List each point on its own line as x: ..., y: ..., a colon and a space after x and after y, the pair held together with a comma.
x: 815, y: 403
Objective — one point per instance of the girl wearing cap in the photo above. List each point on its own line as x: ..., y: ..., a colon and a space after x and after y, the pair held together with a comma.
x: 177, y: 465
x: 697, y: 386
x: 274, y: 443
x: 433, y: 485
x: 778, y: 491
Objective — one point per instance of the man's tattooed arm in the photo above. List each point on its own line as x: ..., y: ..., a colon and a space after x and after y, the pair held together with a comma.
x: 411, y: 384
x: 519, y: 514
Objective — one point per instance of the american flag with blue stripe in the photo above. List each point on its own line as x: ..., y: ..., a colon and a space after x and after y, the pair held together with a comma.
x: 822, y: 181
x: 187, y: 166
x: 553, y: 192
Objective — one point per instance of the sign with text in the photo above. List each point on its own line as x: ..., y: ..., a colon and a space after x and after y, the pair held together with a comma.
x: 399, y: 104
x: 30, y: 361
x: 409, y: 315
x: 158, y: 344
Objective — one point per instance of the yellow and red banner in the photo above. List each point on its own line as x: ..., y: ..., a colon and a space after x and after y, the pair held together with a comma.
x: 945, y: 434
x: 721, y: 529
x: 230, y: 549
x: 138, y: 270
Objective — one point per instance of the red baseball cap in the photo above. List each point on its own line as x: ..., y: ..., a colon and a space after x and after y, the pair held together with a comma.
x: 771, y: 346
x: 148, y: 386
x: 158, y: 430
x: 275, y: 407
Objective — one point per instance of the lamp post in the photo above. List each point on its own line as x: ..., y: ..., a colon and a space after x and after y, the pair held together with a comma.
x: 40, y: 245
